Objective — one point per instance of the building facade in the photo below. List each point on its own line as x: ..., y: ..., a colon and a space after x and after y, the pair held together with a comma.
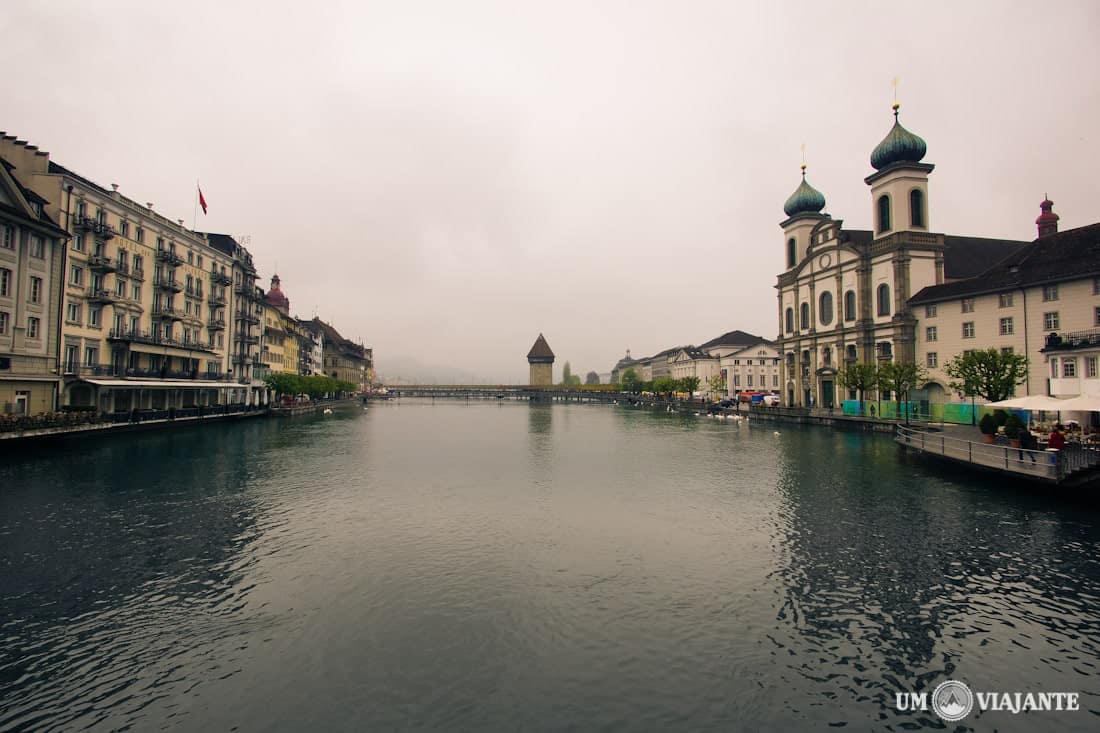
x: 541, y: 361
x: 756, y: 368
x: 31, y: 249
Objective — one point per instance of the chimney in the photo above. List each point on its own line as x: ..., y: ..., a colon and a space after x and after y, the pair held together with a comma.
x: 1048, y: 220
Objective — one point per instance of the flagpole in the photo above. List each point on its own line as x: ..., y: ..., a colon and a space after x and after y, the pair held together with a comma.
x: 195, y: 213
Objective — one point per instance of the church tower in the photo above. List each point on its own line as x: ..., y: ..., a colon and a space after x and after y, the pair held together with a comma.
x: 541, y: 359
x: 899, y: 190
x: 803, y: 210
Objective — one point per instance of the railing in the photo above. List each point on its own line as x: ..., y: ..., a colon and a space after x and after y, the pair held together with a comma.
x: 87, y: 223
x: 99, y: 295
x: 154, y: 338
x: 1072, y: 340
x: 216, y: 324
x: 114, y: 370
x: 169, y: 257
x: 100, y: 262
x: 137, y: 273
x: 1049, y: 465
x: 221, y: 279
x: 163, y: 311
x: 191, y: 292
x: 216, y: 300
x: 168, y: 284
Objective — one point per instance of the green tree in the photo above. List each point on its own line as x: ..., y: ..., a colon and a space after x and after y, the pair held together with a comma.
x: 860, y: 377
x: 718, y: 384
x: 283, y: 384
x: 990, y: 374
x: 899, y: 377
x: 592, y: 378
x: 690, y: 385
x: 630, y: 381
x: 665, y: 386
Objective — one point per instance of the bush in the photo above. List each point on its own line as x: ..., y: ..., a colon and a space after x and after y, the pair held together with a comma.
x: 1000, y: 417
x: 1013, y: 425
x: 988, y: 424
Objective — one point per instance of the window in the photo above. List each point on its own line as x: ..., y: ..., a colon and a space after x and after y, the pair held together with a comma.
x: 932, y: 360
x: 1069, y: 367
x: 78, y: 242
x: 101, y: 216
x: 1050, y: 292
x: 884, y: 300
x: 1005, y: 300
x: 775, y: 380
x: 885, y: 349
x: 71, y: 358
x: 38, y: 247
x: 190, y: 257
x: 748, y: 380
x: 930, y: 311
x: 851, y: 352
x: 8, y: 237
x: 124, y: 228
x: 76, y: 275
x: 5, y: 318
x: 138, y: 260
x: 97, y: 282
x: 120, y: 288
x: 791, y: 253
x: 931, y: 333
x: 967, y: 305
x: 120, y: 323
x: 916, y: 207
x: 1006, y: 327
x: 804, y: 316
x: 91, y: 356
x: 95, y: 315
x: 883, y: 214
x: 968, y: 330
x: 139, y: 235
x: 5, y: 282
x: 825, y: 308
x: 36, y: 290
x: 134, y: 324
x: 1096, y: 286
x: 736, y: 380
x: 1051, y: 322
x: 1096, y: 316
x: 199, y: 263
x: 32, y: 327
x: 1054, y: 367
x: 136, y: 291
x: 72, y: 312
x: 850, y: 305
x: 1090, y: 367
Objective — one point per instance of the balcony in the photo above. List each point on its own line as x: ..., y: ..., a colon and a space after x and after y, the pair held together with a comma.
x: 220, y: 278
x: 100, y: 263
x: 193, y: 293
x: 169, y: 257
x: 249, y: 318
x: 137, y: 273
x: 153, y: 338
x: 1072, y: 340
x: 169, y: 284
x: 163, y: 311
x: 247, y: 291
x: 84, y: 223
x: 250, y: 339
x: 216, y: 300
x: 101, y: 296
x: 217, y: 324
x: 103, y: 231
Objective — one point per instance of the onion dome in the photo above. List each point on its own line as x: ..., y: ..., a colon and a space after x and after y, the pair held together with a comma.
x: 1048, y: 220
x: 275, y: 296
x: 805, y: 200
x: 899, y: 146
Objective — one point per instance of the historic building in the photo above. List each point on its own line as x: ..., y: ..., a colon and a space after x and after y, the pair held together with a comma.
x: 1043, y: 301
x: 755, y: 367
x: 312, y: 355
x: 245, y: 328
x: 344, y: 359
x: 541, y: 361
x: 844, y: 296
x: 31, y: 249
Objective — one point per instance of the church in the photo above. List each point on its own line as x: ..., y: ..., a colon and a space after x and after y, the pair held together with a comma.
x: 844, y: 296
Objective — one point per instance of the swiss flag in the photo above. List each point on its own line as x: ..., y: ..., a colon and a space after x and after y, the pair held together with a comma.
x: 202, y: 201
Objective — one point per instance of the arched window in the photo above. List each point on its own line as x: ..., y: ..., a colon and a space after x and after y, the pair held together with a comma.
x: 883, y: 214
x: 916, y: 207
x: 884, y: 300
x: 790, y: 320
x: 791, y: 252
x: 850, y: 305
x: 825, y: 308
x: 804, y: 316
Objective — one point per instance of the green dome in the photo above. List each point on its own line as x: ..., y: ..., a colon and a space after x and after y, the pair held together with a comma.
x: 805, y: 200
x: 899, y: 146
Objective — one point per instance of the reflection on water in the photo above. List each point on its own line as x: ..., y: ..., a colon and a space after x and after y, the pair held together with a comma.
x: 527, y: 567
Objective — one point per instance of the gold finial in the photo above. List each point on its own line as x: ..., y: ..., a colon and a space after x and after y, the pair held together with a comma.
x: 894, y: 84
x: 803, y: 160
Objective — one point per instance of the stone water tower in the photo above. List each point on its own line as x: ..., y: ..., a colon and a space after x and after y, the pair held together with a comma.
x: 541, y: 359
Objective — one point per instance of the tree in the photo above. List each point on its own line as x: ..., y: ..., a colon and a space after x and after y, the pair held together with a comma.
x: 283, y: 384
x: 592, y: 378
x: 665, y: 385
x: 860, y: 377
x: 690, y: 385
x: 899, y: 377
x: 718, y: 384
x: 630, y: 381
x: 990, y: 374
x: 568, y: 378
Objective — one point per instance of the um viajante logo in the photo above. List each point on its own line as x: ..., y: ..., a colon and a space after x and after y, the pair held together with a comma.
x: 953, y: 700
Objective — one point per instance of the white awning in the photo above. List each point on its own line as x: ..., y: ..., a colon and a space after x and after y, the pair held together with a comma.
x: 1084, y: 403
x: 164, y: 384
x: 1031, y: 402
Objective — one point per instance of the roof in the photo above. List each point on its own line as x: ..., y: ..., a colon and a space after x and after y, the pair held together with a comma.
x: 541, y: 349
x: 222, y: 242
x: 1069, y: 255
x: 732, y: 338
x: 62, y: 170
x: 965, y: 257
x: 31, y: 197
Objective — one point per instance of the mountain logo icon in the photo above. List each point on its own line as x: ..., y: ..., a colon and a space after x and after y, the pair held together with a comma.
x: 952, y: 700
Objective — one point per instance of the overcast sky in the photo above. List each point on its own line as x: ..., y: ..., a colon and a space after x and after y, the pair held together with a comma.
x: 445, y: 180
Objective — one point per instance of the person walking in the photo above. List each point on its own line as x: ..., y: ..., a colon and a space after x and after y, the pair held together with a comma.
x: 1057, y: 438
x: 1028, y: 442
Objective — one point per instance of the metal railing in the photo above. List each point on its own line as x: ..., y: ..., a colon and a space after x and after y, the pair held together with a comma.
x: 1045, y: 464
x: 156, y: 339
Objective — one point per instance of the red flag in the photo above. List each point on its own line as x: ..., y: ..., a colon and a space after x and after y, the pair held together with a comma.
x: 202, y: 201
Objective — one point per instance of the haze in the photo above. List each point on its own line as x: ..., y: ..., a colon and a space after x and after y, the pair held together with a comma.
x: 446, y: 180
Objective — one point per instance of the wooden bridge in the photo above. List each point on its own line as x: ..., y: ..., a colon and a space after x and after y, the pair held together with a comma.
x: 507, y: 392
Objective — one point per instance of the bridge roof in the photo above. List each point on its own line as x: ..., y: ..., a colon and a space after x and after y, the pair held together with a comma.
x: 541, y: 349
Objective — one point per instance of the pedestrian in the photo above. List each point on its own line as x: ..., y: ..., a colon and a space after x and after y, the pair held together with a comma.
x: 1029, y: 443
x: 1057, y: 438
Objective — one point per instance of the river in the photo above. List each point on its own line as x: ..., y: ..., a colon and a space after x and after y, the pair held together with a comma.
x: 510, y: 567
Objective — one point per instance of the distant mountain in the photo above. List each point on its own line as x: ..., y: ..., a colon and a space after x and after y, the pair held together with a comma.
x: 393, y: 370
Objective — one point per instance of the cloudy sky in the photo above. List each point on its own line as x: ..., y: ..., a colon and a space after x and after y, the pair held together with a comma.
x: 445, y: 180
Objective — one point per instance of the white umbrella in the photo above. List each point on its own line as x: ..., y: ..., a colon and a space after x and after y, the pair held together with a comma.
x: 1084, y: 403
x: 1032, y: 402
